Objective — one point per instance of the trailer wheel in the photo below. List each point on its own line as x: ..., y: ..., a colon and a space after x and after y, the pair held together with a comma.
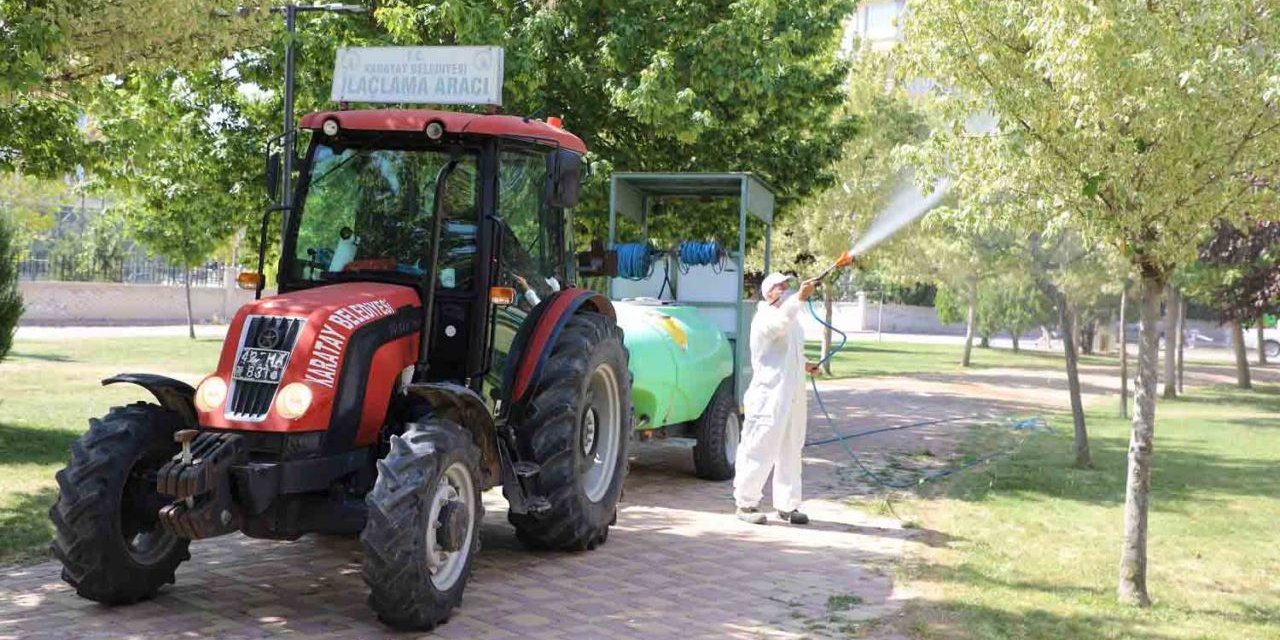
x: 1272, y: 348
x: 108, y: 533
x: 578, y: 428
x: 718, y: 432
x: 423, y: 530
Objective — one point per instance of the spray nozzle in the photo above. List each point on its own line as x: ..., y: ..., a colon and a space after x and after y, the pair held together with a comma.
x: 847, y: 258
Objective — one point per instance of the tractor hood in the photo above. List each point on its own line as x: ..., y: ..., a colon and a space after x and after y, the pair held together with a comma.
x: 321, y: 338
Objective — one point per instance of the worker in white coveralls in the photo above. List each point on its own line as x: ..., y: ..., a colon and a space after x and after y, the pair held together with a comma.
x: 774, y: 429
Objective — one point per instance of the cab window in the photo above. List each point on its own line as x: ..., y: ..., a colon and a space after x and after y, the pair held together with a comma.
x: 532, y: 243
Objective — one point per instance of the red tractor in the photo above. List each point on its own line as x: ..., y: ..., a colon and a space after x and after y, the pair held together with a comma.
x: 426, y: 343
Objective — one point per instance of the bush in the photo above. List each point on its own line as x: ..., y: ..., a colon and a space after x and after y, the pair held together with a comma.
x: 10, y: 297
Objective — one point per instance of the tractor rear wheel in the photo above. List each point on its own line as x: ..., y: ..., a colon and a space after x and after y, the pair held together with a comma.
x: 718, y: 432
x: 577, y: 428
x: 1272, y: 348
x: 108, y: 533
x: 423, y: 530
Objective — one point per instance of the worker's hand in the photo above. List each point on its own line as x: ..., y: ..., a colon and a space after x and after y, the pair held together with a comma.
x: 524, y: 284
x: 812, y: 368
x: 806, y: 289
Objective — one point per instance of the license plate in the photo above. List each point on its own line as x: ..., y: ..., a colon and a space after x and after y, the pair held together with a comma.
x: 260, y: 365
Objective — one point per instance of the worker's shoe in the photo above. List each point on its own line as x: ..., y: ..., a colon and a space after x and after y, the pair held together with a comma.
x: 751, y: 515
x: 793, y: 517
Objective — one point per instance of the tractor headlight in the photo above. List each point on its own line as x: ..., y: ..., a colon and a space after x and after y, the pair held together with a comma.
x: 293, y: 400
x: 330, y: 127
x: 211, y: 393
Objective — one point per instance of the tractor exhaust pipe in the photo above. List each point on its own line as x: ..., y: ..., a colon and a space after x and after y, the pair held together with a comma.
x: 432, y: 272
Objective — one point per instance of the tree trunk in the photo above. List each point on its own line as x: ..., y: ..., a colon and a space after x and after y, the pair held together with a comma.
x: 1133, y: 551
x: 970, y: 325
x: 1087, y: 333
x: 1242, y: 357
x: 984, y: 342
x: 1124, y: 355
x: 1182, y: 336
x: 1068, y: 320
x: 828, y: 312
x: 1262, y: 339
x: 1170, y: 343
x: 1014, y: 335
x: 191, y: 325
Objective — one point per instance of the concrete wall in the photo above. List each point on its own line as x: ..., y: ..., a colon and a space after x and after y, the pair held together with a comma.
x: 866, y: 315
x: 98, y: 303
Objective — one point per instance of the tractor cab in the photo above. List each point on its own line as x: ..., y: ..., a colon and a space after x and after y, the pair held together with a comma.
x: 466, y: 209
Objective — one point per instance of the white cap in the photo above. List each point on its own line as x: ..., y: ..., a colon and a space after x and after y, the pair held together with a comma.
x: 772, y: 280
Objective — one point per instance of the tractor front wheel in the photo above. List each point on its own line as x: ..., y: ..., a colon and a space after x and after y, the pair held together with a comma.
x: 718, y: 432
x: 423, y: 529
x: 577, y: 428
x: 108, y: 533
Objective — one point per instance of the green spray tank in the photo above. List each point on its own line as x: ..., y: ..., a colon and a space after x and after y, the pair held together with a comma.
x: 678, y: 360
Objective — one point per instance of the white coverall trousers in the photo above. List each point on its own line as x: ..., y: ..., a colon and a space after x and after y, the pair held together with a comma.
x: 776, y: 411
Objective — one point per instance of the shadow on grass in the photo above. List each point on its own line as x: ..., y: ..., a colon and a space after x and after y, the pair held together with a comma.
x: 45, y: 357
x: 29, y: 445
x: 1023, y: 621
x: 1186, y: 478
x: 1264, y: 397
x: 24, y: 519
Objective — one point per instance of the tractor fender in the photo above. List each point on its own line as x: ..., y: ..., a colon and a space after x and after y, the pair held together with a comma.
x: 174, y: 395
x: 539, y: 331
x: 464, y: 407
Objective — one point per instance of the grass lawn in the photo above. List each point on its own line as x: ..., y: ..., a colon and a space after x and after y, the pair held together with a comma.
x: 1029, y: 547
x: 48, y: 392
x: 865, y: 359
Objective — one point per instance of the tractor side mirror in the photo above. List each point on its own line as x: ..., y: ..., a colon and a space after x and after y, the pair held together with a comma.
x: 273, y: 175
x: 564, y: 178
x: 598, y: 262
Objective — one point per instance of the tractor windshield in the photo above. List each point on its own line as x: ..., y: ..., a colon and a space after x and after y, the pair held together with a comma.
x: 370, y: 211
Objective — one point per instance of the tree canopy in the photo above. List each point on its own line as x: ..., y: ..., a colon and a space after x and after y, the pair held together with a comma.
x: 1134, y: 124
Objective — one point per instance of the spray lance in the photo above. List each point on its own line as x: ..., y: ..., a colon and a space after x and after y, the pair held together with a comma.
x: 846, y: 259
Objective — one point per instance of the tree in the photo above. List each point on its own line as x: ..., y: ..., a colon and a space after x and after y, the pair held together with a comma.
x: 10, y: 296
x: 1074, y: 277
x: 1172, y: 331
x: 1135, y: 124
x: 53, y: 54
x: 1238, y: 275
x: 1014, y: 304
x: 958, y: 259
x: 28, y: 202
x: 169, y: 143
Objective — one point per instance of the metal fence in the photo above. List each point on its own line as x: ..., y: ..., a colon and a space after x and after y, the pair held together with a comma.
x: 128, y: 270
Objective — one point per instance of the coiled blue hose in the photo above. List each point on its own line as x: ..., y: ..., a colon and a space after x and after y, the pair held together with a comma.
x: 635, y: 260
x: 693, y: 253
x: 1030, y: 424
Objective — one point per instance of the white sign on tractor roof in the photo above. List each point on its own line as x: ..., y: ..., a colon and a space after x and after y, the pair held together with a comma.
x: 427, y: 75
